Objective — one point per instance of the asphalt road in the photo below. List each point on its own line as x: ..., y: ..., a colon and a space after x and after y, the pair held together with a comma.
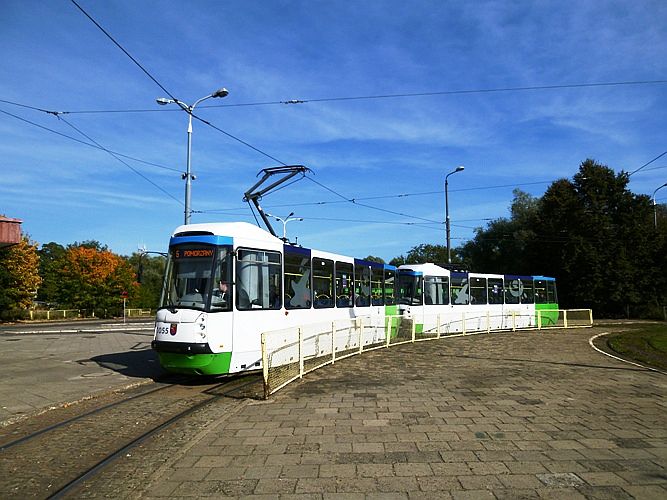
x: 49, y: 364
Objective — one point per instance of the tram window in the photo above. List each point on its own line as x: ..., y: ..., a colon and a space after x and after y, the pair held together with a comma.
x: 297, y: 281
x: 389, y: 287
x: 540, y: 292
x: 376, y: 286
x: 513, y: 291
x: 436, y: 290
x: 362, y: 286
x: 258, y: 276
x: 552, y: 297
x: 221, y: 297
x: 495, y: 290
x: 478, y: 290
x: 323, y: 283
x: 528, y: 295
x: 410, y: 289
x: 344, y: 284
x: 460, y: 290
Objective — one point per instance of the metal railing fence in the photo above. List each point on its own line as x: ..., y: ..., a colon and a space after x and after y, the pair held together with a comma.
x: 60, y: 314
x: 289, y: 354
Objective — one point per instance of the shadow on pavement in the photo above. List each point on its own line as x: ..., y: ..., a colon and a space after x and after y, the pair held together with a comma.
x: 141, y: 363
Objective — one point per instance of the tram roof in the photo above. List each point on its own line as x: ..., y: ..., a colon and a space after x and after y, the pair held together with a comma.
x: 231, y: 229
x: 427, y: 269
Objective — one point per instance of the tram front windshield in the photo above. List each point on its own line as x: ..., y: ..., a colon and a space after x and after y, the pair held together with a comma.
x: 198, y: 277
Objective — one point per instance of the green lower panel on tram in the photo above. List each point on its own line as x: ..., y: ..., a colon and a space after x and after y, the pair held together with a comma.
x: 197, y: 364
x: 392, y: 321
x: 548, y: 314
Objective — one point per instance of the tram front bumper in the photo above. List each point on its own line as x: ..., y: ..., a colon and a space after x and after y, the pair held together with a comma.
x: 187, y: 348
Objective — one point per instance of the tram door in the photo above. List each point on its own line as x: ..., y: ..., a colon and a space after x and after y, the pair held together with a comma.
x: 368, y: 299
x: 411, y: 301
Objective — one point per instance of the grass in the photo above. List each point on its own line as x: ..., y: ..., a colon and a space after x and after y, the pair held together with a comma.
x: 644, y: 343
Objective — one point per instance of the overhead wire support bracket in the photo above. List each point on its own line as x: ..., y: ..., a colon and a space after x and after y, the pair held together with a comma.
x: 254, y: 194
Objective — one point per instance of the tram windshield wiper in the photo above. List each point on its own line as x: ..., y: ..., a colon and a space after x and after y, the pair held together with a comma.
x: 171, y: 307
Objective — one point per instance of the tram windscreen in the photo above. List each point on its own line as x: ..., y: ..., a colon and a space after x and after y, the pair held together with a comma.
x: 194, y: 275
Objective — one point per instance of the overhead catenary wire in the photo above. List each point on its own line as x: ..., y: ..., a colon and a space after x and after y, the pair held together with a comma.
x: 647, y: 163
x: 122, y: 161
x: 181, y: 106
x: 353, y: 201
x: 57, y: 114
x: 108, y: 35
x: 378, y: 96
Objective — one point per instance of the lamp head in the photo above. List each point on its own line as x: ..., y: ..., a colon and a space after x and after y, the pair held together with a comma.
x: 223, y: 92
x: 459, y: 168
x: 163, y: 100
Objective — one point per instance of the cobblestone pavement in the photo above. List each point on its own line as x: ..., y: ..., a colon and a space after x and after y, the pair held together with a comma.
x: 507, y: 415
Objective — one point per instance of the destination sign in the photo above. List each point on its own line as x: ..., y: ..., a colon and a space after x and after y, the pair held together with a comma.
x: 193, y: 253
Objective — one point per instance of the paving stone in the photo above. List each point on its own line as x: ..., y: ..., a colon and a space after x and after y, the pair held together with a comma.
x: 604, y: 492
x: 480, y: 482
x: 487, y: 468
x: 647, y: 492
x: 318, y: 485
x: 263, y: 472
x: 438, y: 483
x: 560, y: 480
x: 521, y: 482
x: 516, y: 494
x: 275, y: 486
x: 451, y: 469
x: 642, y: 477
x: 560, y: 494
x: 358, y: 485
x: 225, y: 473
x: 413, y: 469
x: 602, y: 478
x: 472, y: 495
x: 523, y: 467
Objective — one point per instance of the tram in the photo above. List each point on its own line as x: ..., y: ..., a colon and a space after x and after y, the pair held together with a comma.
x: 227, y: 283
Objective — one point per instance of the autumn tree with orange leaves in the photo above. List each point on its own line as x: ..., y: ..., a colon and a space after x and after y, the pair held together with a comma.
x: 93, y: 278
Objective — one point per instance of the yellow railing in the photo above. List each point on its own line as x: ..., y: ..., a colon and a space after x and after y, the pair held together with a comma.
x: 289, y: 354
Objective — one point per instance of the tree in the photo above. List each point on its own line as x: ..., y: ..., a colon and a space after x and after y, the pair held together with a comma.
x: 425, y: 252
x: 590, y: 232
x: 150, y: 272
x: 94, y: 278
x: 50, y: 263
x: 19, y: 275
x: 502, y: 246
x: 602, y: 240
x: 372, y: 258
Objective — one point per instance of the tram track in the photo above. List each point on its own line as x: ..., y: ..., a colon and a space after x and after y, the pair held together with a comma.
x: 54, y: 460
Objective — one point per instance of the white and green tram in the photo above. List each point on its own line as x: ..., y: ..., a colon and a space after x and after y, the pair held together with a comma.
x: 441, y: 301
x: 227, y: 283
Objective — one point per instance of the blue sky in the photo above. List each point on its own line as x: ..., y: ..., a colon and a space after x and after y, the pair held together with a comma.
x: 54, y: 58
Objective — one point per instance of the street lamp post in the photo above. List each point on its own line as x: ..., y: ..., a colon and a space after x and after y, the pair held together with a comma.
x: 187, y: 176
x: 655, y: 208
x: 460, y: 168
x: 285, y: 221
